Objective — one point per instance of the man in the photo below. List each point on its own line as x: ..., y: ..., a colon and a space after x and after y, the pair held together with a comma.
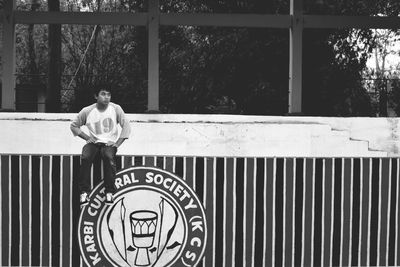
x: 101, y: 118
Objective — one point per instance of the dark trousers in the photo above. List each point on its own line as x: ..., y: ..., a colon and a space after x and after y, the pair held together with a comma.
x: 89, y: 153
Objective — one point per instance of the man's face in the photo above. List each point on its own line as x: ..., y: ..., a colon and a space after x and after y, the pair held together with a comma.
x: 103, y: 97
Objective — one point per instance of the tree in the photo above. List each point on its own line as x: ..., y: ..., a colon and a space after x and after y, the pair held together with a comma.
x: 385, y: 46
x: 217, y: 69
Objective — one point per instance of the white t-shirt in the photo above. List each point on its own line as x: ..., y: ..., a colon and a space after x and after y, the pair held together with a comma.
x: 102, y: 125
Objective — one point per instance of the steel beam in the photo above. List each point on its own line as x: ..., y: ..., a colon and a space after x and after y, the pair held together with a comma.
x: 8, y: 59
x: 220, y: 20
x: 295, y: 57
x: 153, y: 95
x: 355, y: 22
x: 226, y: 20
x: 84, y: 18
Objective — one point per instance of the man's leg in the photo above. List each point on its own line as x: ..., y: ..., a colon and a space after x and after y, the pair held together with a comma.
x: 108, y: 156
x: 89, y: 152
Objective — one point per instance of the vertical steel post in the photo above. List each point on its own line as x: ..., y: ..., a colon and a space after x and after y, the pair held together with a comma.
x: 8, y: 58
x: 153, y: 56
x: 295, y: 61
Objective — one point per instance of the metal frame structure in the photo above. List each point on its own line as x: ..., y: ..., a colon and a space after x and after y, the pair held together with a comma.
x: 296, y: 21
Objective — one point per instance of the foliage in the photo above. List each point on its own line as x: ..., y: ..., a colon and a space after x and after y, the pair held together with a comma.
x: 238, y: 6
x: 353, y: 7
x: 394, y: 96
x: 237, y: 70
x: 210, y: 69
x: 25, y: 74
x: 333, y: 64
x: 384, y: 74
x: 114, y: 60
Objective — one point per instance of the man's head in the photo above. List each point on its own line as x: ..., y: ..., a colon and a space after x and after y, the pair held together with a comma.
x: 102, y: 95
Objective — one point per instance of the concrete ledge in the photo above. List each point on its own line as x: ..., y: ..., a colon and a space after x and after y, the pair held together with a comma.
x: 210, y: 135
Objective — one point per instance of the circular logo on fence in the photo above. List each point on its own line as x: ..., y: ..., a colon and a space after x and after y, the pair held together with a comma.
x: 156, y: 220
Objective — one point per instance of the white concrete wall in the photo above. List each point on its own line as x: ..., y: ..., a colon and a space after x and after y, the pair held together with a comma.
x: 211, y: 135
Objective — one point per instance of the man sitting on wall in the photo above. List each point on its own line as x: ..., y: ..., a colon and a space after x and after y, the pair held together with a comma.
x: 101, y: 118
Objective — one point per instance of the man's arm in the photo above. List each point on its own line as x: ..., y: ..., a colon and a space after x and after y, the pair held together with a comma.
x: 126, y: 129
x: 119, y: 142
x: 87, y: 138
x: 76, y: 124
x: 124, y: 122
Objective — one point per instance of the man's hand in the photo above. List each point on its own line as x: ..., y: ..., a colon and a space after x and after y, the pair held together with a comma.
x: 116, y: 144
x: 91, y: 139
x: 87, y: 138
x: 112, y: 144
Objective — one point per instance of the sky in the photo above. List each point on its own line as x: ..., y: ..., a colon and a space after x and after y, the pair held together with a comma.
x: 392, y: 61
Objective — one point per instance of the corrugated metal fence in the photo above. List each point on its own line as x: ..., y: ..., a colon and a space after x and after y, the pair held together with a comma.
x: 260, y: 211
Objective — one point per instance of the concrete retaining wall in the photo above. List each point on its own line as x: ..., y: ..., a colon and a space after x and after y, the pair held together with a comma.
x: 211, y: 135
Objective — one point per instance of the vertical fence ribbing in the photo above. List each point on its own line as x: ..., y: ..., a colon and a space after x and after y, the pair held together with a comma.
x: 293, y: 214
x: 36, y: 229
x: 361, y: 209
x: 384, y: 208
x: 379, y: 216
x: 284, y: 213
x: 61, y: 195
x: 244, y: 213
x: 307, y: 210
x: 351, y: 211
x: 5, y: 210
x: 369, y: 212
x: 397, y: 214
x: 208, y: 201
x: 30, y: 210
x: 313, y: 212
x: 264, y: 214
x: 20, y: 209
x: 254, y: 180
x: 347, y: 191
x: 332, y: 214
x: 214, y: 201
x: 234, y: 215
x: 71, y: 203
x: 323, y: 214
x: 269, y: 213
x: 298, y: 231
x: 259, y: 208
x: 224, y: 214
x: 303, y: 215
x: 1, y: 212
x: 273, y: 211
x: 388, y: 213
x: 341, y: 212
x: 290, y: 210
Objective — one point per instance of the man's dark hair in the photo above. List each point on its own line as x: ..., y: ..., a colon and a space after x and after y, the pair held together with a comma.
x: 97, y: 89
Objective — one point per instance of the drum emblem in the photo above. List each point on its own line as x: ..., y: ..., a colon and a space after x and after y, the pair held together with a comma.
x: 156, y: 220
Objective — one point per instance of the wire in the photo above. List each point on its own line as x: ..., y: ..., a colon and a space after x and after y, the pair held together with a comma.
x: 80, y: 63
